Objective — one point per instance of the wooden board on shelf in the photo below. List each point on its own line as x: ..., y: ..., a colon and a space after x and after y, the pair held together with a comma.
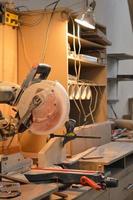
x: 96, y: 36
x: 84, y: 43
x: 84, y: 63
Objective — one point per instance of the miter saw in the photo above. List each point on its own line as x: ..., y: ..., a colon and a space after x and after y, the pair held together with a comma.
x: 42, y: 106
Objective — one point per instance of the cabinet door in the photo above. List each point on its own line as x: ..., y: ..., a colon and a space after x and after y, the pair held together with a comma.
x: 8, y: 65
x: 8, y: 57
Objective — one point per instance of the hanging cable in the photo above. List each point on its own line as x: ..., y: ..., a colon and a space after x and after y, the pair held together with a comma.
x: 79, y: 110
x: 95, y: 103
x: 44, y: 49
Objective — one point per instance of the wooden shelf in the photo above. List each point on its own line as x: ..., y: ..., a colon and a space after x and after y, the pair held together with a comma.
x: 120, y: 56
x: 84, y: 43
x: 85, y: 63
x: 125, y: 77
x: 112, y: 100
x: 96, y: 35
x: 112, y: 78
x: 86, y: 84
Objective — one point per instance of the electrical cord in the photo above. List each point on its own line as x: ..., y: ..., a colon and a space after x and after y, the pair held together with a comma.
x: 79, y: 110
x: 79, y: 50
x: 96, y: 101
x: 35, y: 23
x: 44, y: 49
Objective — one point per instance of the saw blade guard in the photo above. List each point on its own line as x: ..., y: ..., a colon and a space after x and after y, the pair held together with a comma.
x: 53, y: 110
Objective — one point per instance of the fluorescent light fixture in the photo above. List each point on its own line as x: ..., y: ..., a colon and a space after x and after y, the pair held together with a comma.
x: 87, y: 18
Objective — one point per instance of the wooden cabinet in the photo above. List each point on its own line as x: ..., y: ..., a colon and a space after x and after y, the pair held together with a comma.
x: 57, y: 44
x: 8, y: 66
x: 8, y: 57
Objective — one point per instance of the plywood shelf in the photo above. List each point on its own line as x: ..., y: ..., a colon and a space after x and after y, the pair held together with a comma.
x: 85, y: 43
x: 112, y: 100
x: 125, y: 77
x: 96, y: 35
x: 86, y: 84
x: 84, y: 63
x: 112, y: 78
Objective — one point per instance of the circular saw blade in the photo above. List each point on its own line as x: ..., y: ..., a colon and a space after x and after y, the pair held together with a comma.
x: 52, y: 113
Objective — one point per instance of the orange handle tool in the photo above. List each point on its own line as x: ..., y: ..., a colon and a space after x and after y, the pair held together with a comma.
x: 89, y: 182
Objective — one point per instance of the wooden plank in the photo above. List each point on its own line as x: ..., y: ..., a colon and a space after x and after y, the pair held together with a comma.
x: 111, y: 152
x: 52, y: 153
x: 75, y: 158
x: 36, y: 191
x: 83, y: 193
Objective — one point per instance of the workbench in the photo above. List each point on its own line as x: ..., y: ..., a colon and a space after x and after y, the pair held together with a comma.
x: 116, y: 160
x: 36, y: 191
x: 84, y: 193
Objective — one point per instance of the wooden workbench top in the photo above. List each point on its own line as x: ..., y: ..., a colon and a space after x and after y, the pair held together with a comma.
x: 109, y: 153
x: 36, y: 191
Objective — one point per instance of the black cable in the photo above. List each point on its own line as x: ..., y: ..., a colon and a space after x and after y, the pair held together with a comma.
x: 111, y: 106
x: 45, y: 43
x: 50, y: 4
x: 37, y: 21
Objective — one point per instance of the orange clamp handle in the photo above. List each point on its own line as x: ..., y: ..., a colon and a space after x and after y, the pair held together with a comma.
x: 89, y: 182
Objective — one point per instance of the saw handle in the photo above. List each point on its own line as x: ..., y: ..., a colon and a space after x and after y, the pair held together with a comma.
x: 89, y: 182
